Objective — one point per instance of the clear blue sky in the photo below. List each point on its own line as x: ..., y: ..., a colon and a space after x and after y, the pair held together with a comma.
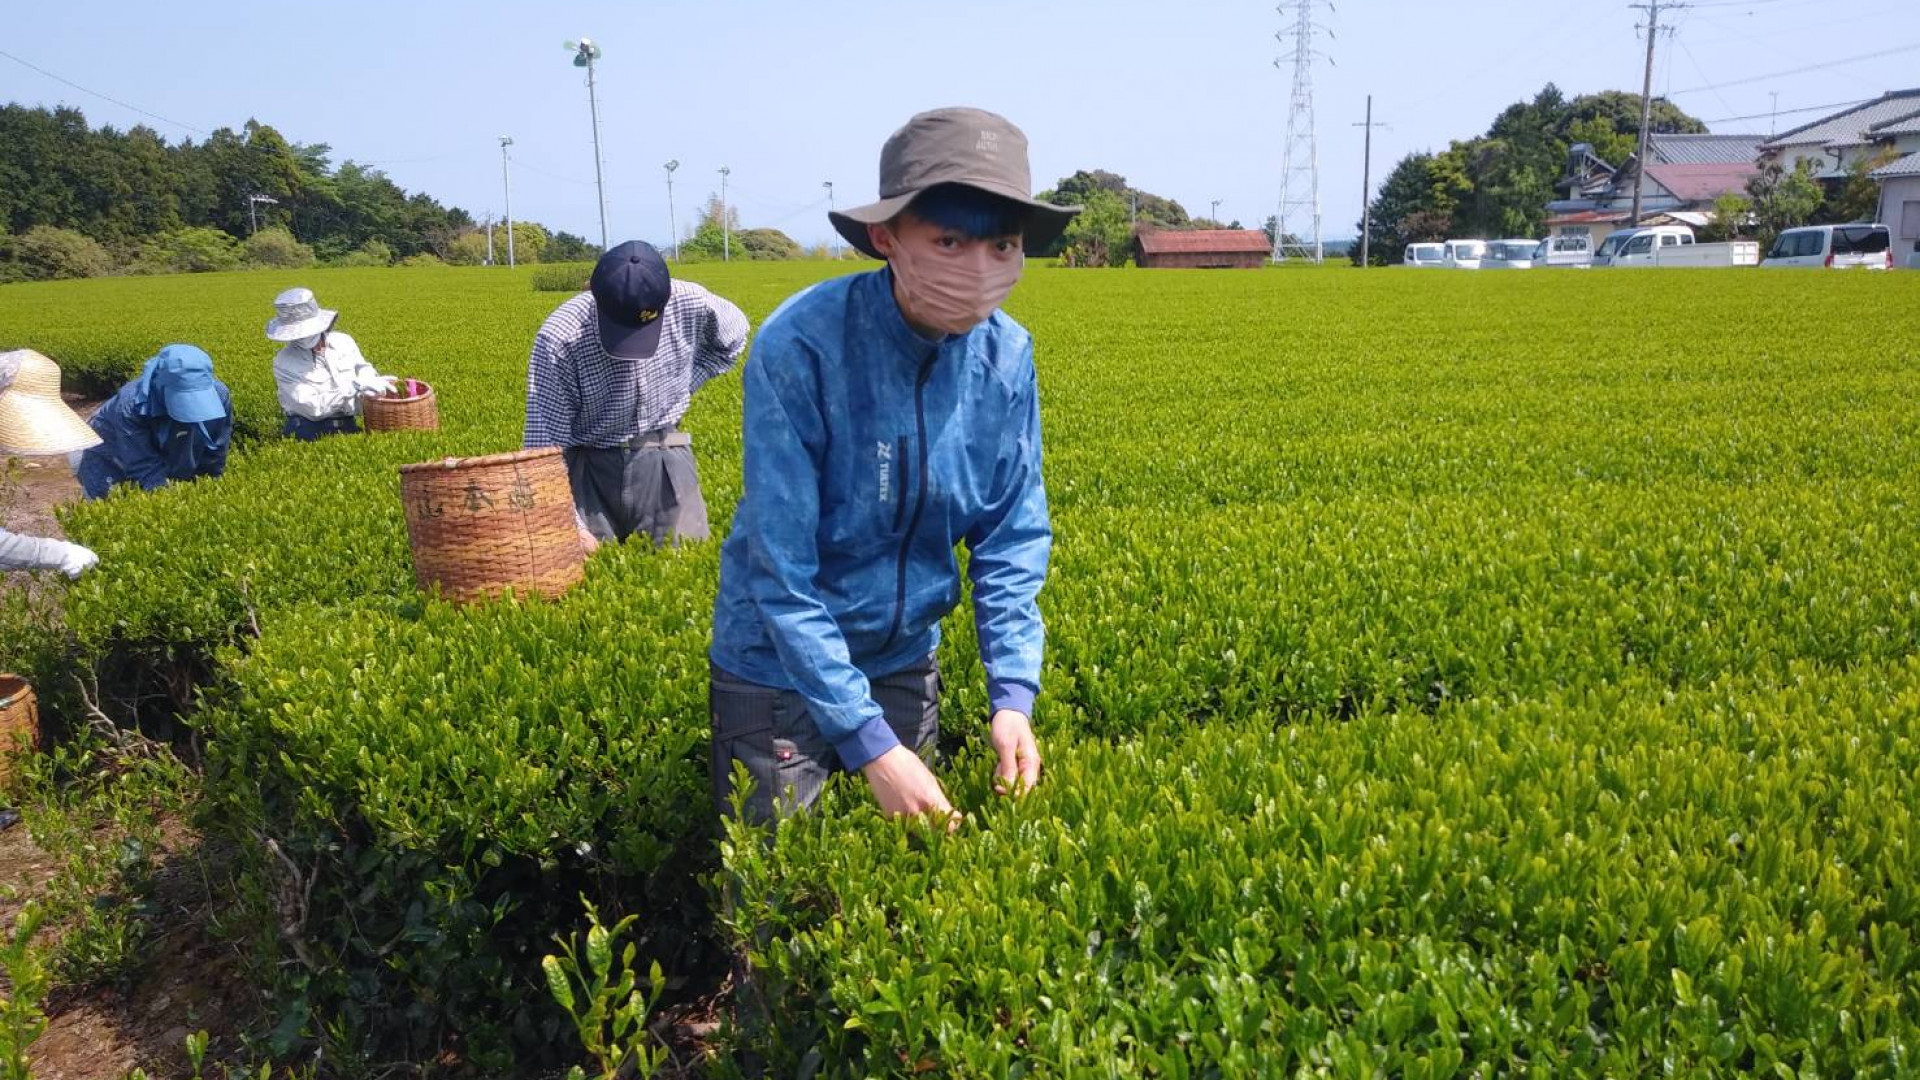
x: 1181, y: 98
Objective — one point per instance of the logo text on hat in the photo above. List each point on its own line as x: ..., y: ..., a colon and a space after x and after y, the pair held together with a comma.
x: 989, y: 142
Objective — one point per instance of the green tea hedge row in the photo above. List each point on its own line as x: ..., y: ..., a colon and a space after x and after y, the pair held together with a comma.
x: 1532, y: 500
x: 1612, y: 881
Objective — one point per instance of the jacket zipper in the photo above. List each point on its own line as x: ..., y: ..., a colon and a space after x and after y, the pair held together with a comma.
x: 919, y: 501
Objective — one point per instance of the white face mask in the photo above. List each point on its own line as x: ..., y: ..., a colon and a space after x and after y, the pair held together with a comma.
x: 310, y: 343
x: 955, y: 290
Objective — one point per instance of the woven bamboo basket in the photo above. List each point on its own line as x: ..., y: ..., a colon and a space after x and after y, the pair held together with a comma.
x: 19, y: 722
x: 415, y: 412
x: 481, y: 526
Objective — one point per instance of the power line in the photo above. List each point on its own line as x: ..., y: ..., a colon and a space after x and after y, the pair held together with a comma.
x: 1895, y: 51
x: 98, y: 94
x: 1789, y: 112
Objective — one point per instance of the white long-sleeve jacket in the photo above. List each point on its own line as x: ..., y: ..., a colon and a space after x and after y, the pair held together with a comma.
x: 318, y: 386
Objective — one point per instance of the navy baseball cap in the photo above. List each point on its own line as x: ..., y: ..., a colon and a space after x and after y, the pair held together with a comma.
x: 630, y: 290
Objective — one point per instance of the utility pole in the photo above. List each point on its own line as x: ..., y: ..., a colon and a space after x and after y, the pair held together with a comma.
x: 1366, y: 187
x: 507, y: 185
x: 488, y: 220
x: 673, y: 220
x: 253, y: 214
x: 1133, y: 215
x: 1773, y: 116
x: 1652, y: 8
x: 726, y: 227
x: 1213, y: 210
x: 585, y: 53
x: 828, y: 184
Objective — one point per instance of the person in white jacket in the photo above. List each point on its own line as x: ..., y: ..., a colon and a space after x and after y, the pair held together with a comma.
x: 320, y: 372
x: 35, y: 421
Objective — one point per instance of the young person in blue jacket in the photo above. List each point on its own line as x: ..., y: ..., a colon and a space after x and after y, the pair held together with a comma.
x: 888, y: 417
x: 174, y: 422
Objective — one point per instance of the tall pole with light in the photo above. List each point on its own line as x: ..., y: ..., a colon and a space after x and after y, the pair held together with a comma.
x: 828, y: 184
x: 1213, y: 214
x: 673, y: 220
x: 506, y: 185
x: 726, y: 227
x: 585, y: 52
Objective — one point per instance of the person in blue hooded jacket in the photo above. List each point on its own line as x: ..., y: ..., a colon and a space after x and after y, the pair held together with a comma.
x: 173, y: 422
x: 888, y: 417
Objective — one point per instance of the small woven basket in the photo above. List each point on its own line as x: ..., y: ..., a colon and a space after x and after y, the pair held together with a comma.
x: 19, y: 722
x: 481, y: 526
x: 415, y: 412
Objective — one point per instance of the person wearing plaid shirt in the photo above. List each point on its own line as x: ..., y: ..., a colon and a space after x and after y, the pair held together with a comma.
x: 612, y: 372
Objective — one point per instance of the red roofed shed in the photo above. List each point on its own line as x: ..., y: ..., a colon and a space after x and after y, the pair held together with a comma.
x: 1243, y: 249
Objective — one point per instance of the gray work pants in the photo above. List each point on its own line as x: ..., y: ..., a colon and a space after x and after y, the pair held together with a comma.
x: 649, y: 487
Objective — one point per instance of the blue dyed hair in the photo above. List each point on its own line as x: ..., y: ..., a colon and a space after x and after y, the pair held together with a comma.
x: 974, y: 214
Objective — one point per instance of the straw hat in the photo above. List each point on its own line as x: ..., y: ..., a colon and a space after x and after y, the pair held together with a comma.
x: 33, y: 419
x: 296, y: 315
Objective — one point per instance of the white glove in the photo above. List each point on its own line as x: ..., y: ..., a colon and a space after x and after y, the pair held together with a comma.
x: 76, y: 560
x: 380, y: 385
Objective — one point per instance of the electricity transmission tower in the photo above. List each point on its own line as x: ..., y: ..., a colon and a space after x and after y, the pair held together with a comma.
x: 1296, y: 233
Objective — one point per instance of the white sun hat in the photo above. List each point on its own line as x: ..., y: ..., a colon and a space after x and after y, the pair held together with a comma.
x: 298, y: 315
x: 33, y: 418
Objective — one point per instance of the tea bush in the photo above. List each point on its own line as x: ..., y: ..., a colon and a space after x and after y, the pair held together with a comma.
x: 1438, y: 665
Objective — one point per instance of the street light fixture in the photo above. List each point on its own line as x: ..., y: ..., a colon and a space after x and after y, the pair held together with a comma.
x: 585, y: 52
x: 828, y: 184
x: 673, y: 220
x: 507, y: 186
x: 726, y: 227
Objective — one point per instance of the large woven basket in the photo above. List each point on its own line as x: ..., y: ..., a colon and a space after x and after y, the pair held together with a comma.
x: 416, y: 412
x: 19, y: 722
x: 480, y: 526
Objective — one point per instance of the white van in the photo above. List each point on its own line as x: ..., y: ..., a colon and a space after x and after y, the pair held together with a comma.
x: 1510, y: 255
x: 1465, y: 254
x: 1433, y: 255
x: 1837, y: 247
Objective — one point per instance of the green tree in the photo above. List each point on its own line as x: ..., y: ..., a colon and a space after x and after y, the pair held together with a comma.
x: 372, y: 253
x: 768, y: 245
x: 709, y: 241
x: 566, y: 247
x: 1783, y: 198
x: 1858, y: 198
x: 1101, y: 235
x: 1732, y: 215
x: 193, y: 251
x: 276, y: 249
x: 1082, y: 188
x: 46, y: 254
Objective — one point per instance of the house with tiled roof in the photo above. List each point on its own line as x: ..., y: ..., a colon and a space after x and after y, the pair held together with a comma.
x: 1684, y: 175
x: 1830, y: 146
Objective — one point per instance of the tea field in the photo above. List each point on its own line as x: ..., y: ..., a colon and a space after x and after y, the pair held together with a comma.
x: 1449, y: 675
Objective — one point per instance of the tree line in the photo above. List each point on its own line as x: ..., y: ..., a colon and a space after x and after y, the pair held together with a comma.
x: 84, y: 201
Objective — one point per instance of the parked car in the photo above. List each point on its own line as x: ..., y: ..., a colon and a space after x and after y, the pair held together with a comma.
x: 1465, y: 254
x: 1836, y: 247
x: 1510, y: 255
x: 1573, y: 251
x: 1433, y: 255
x: 1672, y: 245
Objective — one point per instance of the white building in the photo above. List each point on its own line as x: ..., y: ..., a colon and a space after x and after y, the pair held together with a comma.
x: 1861, y: 133
x: 1900, y: 207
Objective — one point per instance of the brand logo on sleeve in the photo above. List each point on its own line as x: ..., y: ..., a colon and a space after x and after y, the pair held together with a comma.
x: 885, y: 451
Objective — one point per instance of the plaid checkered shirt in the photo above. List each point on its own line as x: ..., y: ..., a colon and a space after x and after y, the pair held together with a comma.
x: 579, y: 396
